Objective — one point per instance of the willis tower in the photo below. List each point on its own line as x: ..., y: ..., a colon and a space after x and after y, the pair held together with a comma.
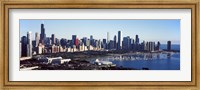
x: 42, y: 35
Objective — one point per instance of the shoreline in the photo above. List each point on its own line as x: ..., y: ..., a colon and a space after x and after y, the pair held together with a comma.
x: 79, y: 61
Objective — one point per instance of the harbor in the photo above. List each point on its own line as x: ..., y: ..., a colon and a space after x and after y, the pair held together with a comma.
x: 106, y: 61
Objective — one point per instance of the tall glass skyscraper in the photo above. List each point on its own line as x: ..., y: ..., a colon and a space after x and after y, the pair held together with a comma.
x: 108, y: 41
x: 53, y: 38
x: 74, y: 37
x: 119, y: 44
x: 24, y: 46
x: 37, y: 39
x: 29, y: 44
x: 108, y: 38
x: 42, y: 35
x: 115, y: 41
x: 137, y: 39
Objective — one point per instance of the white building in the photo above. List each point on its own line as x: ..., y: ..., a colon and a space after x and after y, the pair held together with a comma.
x: 40, y: 49
x: 54, y: 61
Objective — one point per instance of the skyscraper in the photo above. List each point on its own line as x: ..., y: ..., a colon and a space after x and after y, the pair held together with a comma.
x: 53, y: 38
x: 137, y: 43
x: 132, y: 44
x: 91, y: 40
x: 84, y: 39
x: 63, y: 42
x: 150, y: 46
x: 57, y: 41
x: 119, y: 46
x: 77, y: 42
x: 115, y: 42
x: 48, y: 41
x: 99, y: 44
x: 87, y: 42
x: 111, y: 44
x: 168, y: 45
x: 136, y: 39
x: 158, y: 46
x: 108, y: 41
x: 91, y: 37
x: 24, y: 46
x: 104, y: 43
x: 73, y: 39
x: 29, y: 44
x: 37, y: 39
x: 126, y: 43
x: 143, y: 46
x: 42, y: 35
x: 108, y: 38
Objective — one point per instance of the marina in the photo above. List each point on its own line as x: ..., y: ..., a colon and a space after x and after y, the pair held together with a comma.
x: 155, y: 61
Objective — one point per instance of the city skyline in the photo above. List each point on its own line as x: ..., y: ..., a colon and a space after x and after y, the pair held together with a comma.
x: 41, y: 51
x: 96, y: 29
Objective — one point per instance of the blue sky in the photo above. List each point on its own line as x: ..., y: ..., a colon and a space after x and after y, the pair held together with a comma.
x: 148, y: 30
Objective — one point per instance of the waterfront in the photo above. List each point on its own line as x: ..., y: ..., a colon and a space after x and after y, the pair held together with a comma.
x: 154, y: 61
x: 162, y: 60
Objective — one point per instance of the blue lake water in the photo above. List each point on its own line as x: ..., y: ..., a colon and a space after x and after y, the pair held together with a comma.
x: 173, y: 47
x: 152, y: 61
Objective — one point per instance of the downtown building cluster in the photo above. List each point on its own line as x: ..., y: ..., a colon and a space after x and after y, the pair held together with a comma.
x: 43, y: 44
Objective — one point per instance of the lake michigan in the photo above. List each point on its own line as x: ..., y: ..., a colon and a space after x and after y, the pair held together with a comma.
x: 151, y: 61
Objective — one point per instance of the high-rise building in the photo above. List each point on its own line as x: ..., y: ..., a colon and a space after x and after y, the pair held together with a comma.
x: 136, y: 39
x: 111, y: 44
x: 158, y: 46
x: 168, y: 45
x: 104, y: 43
x: 54, y: 49
x: 84, y: 39
x: 152, y: 46
x: 23, y: 46
x: 91, y: 40
x: 48, y: 41
x: 57, y: 41
x: 74, y: 37
x: 143, y: 45
x: 132, y: 44
x: 99, y: 44
x: 68, y: 43
x: 96, y: 43
x: 87, y: 42
x: 119, y: 46
x: 126, y: 43
x: 63, y: 42
x: 40, y: 49
x: 115, y: 42
x: 34, y: 43
x: 91, y: 37
x: 147, y: 46
x: 37, y: 39
x: 108, y: 38
x: 137, y: 46
x: 29, y: 44
x: 42, y: 35
x: 53, y: 38
x: 76, y: 42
